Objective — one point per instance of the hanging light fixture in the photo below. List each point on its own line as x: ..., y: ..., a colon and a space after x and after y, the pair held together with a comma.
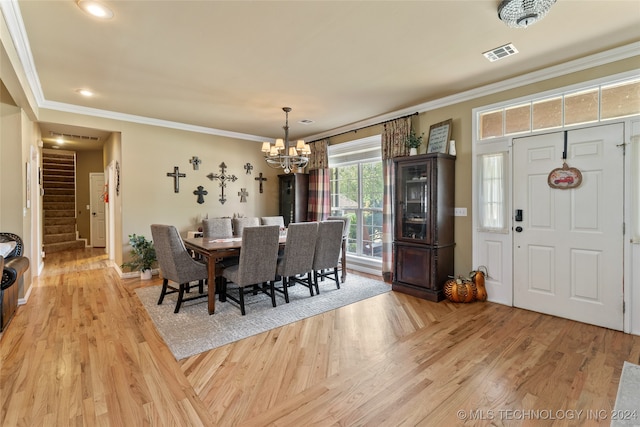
x: 281, y: 155
x: 522, y: 13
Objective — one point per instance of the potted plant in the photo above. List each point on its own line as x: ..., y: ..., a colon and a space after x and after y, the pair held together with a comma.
x: 142, y: 254
x: 414, y: 141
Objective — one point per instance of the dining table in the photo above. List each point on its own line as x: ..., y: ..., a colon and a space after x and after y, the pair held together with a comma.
x: 214, y: 251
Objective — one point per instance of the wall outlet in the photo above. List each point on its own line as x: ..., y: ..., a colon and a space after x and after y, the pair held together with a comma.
x: 460, y: 211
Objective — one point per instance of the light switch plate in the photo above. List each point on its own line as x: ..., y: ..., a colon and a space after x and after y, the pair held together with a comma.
x: 460, y: 211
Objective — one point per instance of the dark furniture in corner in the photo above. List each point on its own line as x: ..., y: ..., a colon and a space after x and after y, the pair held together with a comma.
x: 294, y: 195
x: 14, y: 266
x: 424, y: 241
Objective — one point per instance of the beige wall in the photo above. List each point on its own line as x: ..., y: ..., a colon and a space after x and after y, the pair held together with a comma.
x: 461, y: 113
x: 148, y: 153
x: 86, y: 162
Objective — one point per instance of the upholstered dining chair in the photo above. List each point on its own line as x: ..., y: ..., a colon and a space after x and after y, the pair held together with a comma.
x: 345, y: 237
x: 217, y: 228
x: 327, y: 254
x: 297, y: 258
x: 272, y: 220
x: 176, y: 264
x: 240, y: 223
x: 256, y: 267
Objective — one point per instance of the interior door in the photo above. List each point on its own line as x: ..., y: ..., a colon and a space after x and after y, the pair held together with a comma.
x: 98, y: 223
x: 568, y: 243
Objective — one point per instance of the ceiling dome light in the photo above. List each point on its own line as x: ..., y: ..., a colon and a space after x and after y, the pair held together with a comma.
x: 522, y: 13
x: 96, y: 9
x: 85, y: 92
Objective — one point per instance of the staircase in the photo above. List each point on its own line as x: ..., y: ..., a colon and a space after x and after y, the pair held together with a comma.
x: 59, y: 201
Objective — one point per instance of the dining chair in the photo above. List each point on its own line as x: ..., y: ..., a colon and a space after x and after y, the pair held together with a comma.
x: 297, y: 258
x: 240, y: 223
x: 327, y: 254
x: 217, y: 228
x: 256, y: 267
x: 176, y: 264
x: 272, y: 220
x: 345, y: 238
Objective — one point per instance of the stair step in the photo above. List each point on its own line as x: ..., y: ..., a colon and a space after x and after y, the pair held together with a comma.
x: 60, y: 192
x: 59, y: 213
x: 58, y: 247
x: 65, y: 206
x: 59, y: 221
x: 59, y: 238
x: 60, y: 229
x: 58, y: 198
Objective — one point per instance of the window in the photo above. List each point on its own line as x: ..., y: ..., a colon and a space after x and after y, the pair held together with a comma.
x: 596, y: 103
x: 357, y: 191
x: 492, y: 192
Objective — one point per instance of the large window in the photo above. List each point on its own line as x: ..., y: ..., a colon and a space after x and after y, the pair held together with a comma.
x: 357, y: 191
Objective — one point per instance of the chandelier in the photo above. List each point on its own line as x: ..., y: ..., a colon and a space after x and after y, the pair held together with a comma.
x: 522, y: 13
x: 280, y: 155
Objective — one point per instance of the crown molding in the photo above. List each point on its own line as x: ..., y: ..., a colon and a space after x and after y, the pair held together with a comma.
x: 11, y: 12
x: 105, y: 114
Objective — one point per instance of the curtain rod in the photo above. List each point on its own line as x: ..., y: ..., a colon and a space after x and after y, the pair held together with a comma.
x: 368, y: 126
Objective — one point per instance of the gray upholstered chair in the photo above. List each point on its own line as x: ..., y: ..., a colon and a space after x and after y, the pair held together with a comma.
x: 257, y: 265
x: 297, y: 258
x: 345, y: 237
x: 176, y: 264
x: 272, y: 220
x: 240, y: 223
x: 217, y: 228
x: 327, y: 256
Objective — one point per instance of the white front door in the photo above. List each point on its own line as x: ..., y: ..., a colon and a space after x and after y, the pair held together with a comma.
x: 568, y: 247
x: 97, y: 205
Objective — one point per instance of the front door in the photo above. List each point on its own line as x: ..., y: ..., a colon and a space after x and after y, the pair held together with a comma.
x: 97, y: 205
x: 568, y: 245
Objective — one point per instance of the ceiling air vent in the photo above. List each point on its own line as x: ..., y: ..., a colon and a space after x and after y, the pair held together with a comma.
x: 500, y: 52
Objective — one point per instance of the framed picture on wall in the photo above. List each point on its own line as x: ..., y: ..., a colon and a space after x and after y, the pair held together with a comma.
x: 439, y: 136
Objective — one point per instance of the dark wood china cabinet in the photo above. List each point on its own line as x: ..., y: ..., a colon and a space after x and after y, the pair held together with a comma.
x: 294, y: 194
x: 424, y: 215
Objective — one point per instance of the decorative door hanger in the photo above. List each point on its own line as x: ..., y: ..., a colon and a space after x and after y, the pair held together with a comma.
x: 565, y: 177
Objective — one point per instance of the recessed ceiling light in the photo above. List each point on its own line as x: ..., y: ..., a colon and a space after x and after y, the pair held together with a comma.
x: 85, y: 92
x: 95, y: 8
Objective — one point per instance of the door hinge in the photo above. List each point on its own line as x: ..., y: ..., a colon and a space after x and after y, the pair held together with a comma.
x: 624, y: 307
x: 624, y: 228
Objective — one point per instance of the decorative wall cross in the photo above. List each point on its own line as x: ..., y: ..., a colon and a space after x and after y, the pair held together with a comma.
x: 195, y: 161
x: 223, y: 178
x: 176, y: 176
x: 260, y: 178
x: 248, y: 167
x: 200, y: 192
x: 243, y: 195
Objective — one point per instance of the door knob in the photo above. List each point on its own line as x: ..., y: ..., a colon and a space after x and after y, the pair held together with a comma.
x: 519, y: 229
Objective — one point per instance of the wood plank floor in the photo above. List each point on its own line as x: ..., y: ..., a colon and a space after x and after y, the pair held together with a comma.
x: 84, y: 352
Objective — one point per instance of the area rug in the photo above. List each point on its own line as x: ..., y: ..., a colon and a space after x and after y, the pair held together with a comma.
x: 193, y: 330
x: 627, y: 409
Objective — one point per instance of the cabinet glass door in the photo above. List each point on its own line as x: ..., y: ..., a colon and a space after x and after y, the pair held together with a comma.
x: 414, y: 202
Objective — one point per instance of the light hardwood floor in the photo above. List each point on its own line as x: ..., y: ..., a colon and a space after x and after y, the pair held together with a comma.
x: 84, y: 352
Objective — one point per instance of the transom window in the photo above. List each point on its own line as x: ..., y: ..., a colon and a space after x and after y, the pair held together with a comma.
x: 590, y: 105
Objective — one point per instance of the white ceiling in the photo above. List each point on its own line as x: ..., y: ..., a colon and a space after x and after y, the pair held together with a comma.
x: 232, y: 65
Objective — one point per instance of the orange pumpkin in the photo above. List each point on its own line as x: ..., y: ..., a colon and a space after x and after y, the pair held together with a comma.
x: 477, y: 277
x: 460, y: 290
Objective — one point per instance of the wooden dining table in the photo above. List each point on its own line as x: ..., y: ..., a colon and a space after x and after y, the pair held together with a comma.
x: 214, y: 251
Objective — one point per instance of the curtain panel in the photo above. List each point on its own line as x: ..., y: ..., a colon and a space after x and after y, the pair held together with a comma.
x: 393, y: 145
x: 319, y: 204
